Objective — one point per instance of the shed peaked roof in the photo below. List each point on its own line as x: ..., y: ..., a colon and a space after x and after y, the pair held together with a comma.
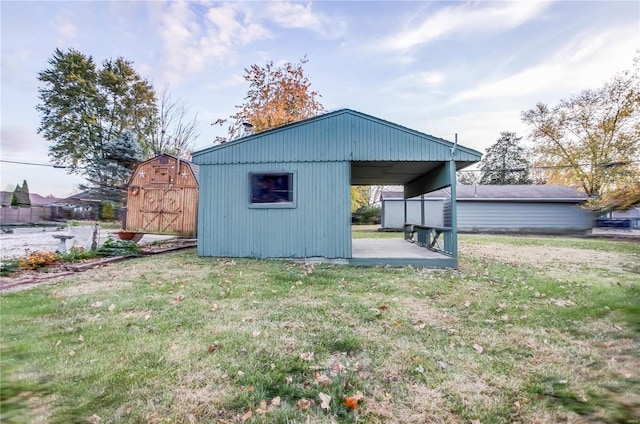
x: 342, y: 135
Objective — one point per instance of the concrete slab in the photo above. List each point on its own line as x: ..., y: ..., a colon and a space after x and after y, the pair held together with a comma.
x: 390, y: 248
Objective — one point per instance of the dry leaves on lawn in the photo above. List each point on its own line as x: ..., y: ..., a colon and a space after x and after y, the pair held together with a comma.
x: 305, y: 404
x: 325, y: 399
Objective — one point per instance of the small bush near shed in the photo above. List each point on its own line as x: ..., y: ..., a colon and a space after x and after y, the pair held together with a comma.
x: 366, y: 215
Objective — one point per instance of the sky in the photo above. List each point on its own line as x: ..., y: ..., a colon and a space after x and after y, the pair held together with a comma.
x: 442, y: 68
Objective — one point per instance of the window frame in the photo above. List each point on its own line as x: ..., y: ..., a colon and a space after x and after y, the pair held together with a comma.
x: 292, y: 177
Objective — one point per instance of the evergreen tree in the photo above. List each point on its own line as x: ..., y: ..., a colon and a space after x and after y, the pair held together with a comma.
x: 504, y: 162
x: 109, y: 174
x: 25, y: 190
x: 20, y: 196
x: 14, y: 197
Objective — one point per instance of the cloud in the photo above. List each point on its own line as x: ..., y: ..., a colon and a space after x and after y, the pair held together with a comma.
x: 297, y: 15
x: 471, y: 17
x: 18, y: 139
x: 195, y: 38
x: 415, y: 84
x: 233, y: 81
x: 585, y: 61
x: 67, y: 30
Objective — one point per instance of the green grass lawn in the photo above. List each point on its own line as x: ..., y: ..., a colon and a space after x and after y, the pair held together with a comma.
x: 526, y: 330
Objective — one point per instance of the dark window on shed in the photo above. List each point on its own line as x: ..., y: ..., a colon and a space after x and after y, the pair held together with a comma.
x: 271, y: 188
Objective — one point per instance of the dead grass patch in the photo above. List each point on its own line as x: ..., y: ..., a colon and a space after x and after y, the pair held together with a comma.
x: 557, y: 261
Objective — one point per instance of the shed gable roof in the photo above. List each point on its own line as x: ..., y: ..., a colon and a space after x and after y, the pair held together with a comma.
x: 342, y: 135
x: 195, y: 169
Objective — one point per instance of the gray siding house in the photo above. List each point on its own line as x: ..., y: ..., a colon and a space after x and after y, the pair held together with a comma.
x: 496, y: 208
x: 286, y: 192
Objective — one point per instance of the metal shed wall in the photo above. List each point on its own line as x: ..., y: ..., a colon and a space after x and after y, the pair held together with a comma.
x: 393, y: 212
x: 522, y: 217
x: 343, y: 135
x: 319, y: 224
x: 488, y: 216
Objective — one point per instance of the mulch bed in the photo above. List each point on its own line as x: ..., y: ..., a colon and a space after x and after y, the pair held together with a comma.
x: 29, y: 277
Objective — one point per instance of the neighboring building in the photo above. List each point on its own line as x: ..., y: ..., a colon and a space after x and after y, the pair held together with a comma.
x: 35, y: 199
x: 496, y: 208
x: 163, y: 197
x: 632, y: 215
x: 285, y: 193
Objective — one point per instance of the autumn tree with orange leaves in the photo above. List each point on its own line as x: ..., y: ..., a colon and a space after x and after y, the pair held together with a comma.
x: 278, y: 95
x: 592, y: 141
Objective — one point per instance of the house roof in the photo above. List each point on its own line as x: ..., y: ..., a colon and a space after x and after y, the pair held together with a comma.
x: 380, y: 152
x: 35, y: 199
x: 84, y: 197
x: 487, y: 193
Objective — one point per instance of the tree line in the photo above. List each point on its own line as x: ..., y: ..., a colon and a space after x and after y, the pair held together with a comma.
x: 102, y: 120
x: 589, y: 141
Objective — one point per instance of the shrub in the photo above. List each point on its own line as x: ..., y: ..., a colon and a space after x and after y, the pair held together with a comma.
x: 107, y: 212
x: 113, y: 247
x: 366, y: 215
x: 9, y: 266
x: 77, y: 254
x: 37, y: 260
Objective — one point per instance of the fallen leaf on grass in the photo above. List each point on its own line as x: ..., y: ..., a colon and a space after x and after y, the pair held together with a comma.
x: 256, y: 334
x: 323, y: 381
x: 94, y: 419
x: 247, y: 415
x: 383, y: 307
x: 214, y: 308
x: 478, y: 348
x: 275, y: 402
x: 562, y: 303
x: 476, y: 422
x: 325, y: 399
x: 96, y: 304
x: 58, y: 343
x: 351, y: 402
x: 307, y: 356
x: 212, y: 348
x: 80, y: 338
x: 263, y: 408
x: 112, y: 307
x: 304, y: 404
x: 71, y: 353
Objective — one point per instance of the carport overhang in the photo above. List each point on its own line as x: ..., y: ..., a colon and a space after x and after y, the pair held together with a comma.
x: 417, y: 178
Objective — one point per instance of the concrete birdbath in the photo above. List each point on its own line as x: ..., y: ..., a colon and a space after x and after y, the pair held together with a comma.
x: 62, y: 247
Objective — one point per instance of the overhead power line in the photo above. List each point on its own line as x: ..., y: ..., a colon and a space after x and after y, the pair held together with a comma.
x: 35, y: 164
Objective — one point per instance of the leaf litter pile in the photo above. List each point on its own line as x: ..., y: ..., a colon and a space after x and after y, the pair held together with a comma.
x: 177, y: 338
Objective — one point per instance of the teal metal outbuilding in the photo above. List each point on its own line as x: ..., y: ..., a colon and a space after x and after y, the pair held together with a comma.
x: 286, y: 192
